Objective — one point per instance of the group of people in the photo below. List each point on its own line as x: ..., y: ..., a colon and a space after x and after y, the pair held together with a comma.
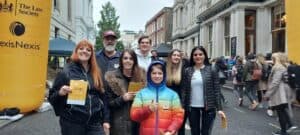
x: 173, y: 91
x: 263, y: 78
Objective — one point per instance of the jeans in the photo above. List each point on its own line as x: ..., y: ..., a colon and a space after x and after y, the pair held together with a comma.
x: 240, y: 90
x: 70, y: 128
x: 250, y: 90
x: 206, y: 117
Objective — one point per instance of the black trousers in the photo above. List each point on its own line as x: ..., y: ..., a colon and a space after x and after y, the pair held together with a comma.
x: 201, y: 120
x: 70, y: 128
x: 181, y: 131
x: 284, y: 117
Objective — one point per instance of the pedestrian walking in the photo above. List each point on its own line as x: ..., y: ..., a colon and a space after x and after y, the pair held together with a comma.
x: 250, y: 77
x: 262, y: 82
x: 157, y: 107
x: 120, y: 98
x: 92, y: 118
x: 201, y: 93
x: 279, y: 93
x: 237, y: 73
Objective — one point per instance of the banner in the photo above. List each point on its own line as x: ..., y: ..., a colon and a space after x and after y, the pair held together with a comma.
x: 24, y: 40
x: 293, y: 29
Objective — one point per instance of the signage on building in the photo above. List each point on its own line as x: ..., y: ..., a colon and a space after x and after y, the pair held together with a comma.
x: 24, y: 40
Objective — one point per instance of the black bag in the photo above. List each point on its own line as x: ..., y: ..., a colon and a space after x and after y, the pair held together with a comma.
x: 266, y: 71
x: 293, y: 79
x: 240, y: 72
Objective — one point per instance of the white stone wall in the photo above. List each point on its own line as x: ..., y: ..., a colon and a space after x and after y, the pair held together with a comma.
x: 60, y: 20
x: 184, y: 19
x: 263, y: 31
x: 79, y: 26
x: 84, y: 21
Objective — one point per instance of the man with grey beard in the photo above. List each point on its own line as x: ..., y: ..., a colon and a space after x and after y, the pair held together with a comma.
x: 108, y: 57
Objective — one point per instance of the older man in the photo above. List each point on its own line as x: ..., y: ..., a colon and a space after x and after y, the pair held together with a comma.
x: 108, y: 57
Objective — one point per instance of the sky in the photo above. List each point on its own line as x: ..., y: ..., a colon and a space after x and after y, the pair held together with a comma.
x: 133, y: 13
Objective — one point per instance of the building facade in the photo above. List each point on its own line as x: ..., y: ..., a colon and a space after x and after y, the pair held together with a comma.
x: 185, y: 34
x: 84, y: 24
x: 128, y: 37
x: 72, y: 20
x: 159, y: 27
x: 237, y: 27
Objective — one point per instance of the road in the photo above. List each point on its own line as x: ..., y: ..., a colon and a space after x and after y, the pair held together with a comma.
x: 241, y: 121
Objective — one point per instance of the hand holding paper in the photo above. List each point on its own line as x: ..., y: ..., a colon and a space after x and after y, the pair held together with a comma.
x: 134, y: 87
x: 78, y: 95
x: 223, y: 119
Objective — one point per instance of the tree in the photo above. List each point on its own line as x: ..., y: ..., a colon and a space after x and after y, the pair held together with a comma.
x: 108, y: 21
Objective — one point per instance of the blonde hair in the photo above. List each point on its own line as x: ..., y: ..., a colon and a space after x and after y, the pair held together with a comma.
x: 173, y: 71
x: 280, y: 59
x: 260, y: 58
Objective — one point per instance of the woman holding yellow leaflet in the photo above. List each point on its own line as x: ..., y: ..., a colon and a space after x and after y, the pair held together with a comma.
x: 92, y: 117
x: 119, y: 94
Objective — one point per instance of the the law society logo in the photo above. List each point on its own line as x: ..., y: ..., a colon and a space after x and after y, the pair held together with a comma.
x: 17, y: 28
x: 6, y: 7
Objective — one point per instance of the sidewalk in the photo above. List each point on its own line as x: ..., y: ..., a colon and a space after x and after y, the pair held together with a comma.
x: 44, y: 107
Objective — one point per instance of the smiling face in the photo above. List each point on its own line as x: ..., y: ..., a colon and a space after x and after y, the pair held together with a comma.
x: 109, y: 43
x: 198, y: 57
x: 176, y: 57
x: 127, y: 61
x: 84, y: 53
x: 157, y: 74
x: 145, y: 45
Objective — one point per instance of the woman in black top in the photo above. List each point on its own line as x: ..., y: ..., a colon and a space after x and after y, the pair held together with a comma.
x: 91, y: 118
x: 201, y: 93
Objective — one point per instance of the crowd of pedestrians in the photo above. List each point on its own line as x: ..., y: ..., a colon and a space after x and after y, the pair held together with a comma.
x: 173, y: 90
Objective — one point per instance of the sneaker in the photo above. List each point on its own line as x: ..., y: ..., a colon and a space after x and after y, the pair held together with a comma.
x: 240, y: 102
x: 260, y: 106
x: 291, y: 129
x: 270, y: 112
x: 279, y: 133
x: 253, y: 106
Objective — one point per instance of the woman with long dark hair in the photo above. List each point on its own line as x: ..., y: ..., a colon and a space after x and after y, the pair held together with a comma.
x: 120, y: 99
x: 201, y: 93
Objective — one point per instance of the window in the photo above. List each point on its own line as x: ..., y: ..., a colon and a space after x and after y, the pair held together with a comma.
x: 69, y: 10
x: 56, y: 34
x: 278, y: 27
x: 227, y: 35
x: 55, y: 4
x: 210, y: 30
x: 208, y: 3
x: 250, y: 31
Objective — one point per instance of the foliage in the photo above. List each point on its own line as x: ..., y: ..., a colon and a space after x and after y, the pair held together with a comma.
x: 108, y: 21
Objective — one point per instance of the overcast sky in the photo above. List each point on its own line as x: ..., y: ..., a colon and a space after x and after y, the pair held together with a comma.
x: 133, y: 13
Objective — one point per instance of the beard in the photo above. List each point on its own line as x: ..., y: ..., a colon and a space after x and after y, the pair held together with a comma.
x: 110, y: 48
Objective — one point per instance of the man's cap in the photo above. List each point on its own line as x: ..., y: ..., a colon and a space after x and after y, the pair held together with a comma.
x: 109, y: 33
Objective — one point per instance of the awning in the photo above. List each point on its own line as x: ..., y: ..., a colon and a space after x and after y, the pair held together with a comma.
x: 61, y: 47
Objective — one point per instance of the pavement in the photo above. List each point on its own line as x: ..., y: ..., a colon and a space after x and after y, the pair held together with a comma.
x: 46, y: 106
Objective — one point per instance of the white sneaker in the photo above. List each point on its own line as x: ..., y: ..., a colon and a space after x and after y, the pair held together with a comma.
x: 291, y: 129
x: 270, y: 112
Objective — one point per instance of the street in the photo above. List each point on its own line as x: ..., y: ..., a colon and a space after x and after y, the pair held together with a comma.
x: 241, y: 121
